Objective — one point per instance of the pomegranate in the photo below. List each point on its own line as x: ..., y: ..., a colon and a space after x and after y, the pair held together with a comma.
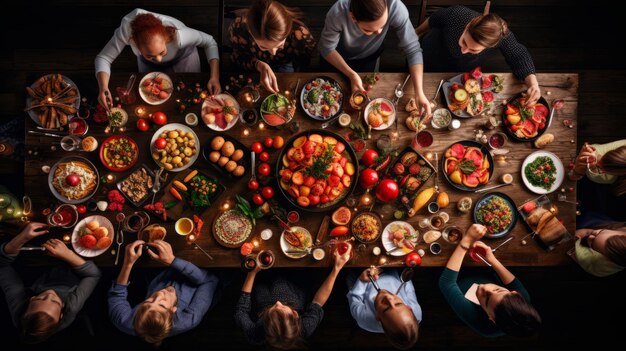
x: 72, y: 179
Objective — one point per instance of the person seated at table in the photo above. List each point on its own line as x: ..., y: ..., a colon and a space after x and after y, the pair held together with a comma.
x: 503, y: 303
x: 378, y: 310
x: 161, y: 43
x: 270, y: 37
x: 353, y: 36
x: 52, y: 302
x: 459, y: 39
x: 604, y: 166
x: 176, y: 299
x: 601, y: 251
x: 281, y: 317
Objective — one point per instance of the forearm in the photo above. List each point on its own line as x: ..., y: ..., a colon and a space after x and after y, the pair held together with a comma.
x: 73, y: 260
x: 103, y: 80
x: 13, y: 247
x: 531, y: 80
x: 456, y: 259
x: 335, y: 59
x: 215, y: 68
x: 323, y: 293
x: 249, y: 282
x: 422, y: 28
x: 417, y: 77
x: 503, y: 273
x: 124, y: 275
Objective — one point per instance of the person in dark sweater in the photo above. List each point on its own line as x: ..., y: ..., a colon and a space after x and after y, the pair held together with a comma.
x: 277, y: 312
x: 52, y: 302
x: 503, y: 303
x: 458, y: 39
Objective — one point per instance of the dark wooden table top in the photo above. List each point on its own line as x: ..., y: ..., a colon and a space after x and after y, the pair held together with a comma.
x: 554, y: 86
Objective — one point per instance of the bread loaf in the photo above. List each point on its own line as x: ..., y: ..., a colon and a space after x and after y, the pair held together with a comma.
x: 544, y: 140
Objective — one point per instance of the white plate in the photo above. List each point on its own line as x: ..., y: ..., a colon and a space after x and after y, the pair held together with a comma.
x: 391, y: 118
x: 104, y: 222
x: 389, y: 245
x: 174, y: 126
x: 150, y: 100
x: 214, y: 126
x: 560, y: 172
x: 285, y: 246
x: 29, y: 100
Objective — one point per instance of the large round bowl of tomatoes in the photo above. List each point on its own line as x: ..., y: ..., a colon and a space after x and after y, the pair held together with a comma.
x: 317, y: 170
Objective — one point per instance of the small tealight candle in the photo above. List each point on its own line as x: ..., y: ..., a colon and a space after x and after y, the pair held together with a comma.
x: 255, y: 243
x: 203, y: 95
x: 366, y: 199
x: 429, y: 155
x: 247, y: 97
x: 110, y: 178
x: 382, y: 260
x: 225, y: 206
x: 66, y: 238
x: 246, y: 132
x: 190, y: 238
x: 287, y: 93
x: 261, y: 126
x: 140, y: 111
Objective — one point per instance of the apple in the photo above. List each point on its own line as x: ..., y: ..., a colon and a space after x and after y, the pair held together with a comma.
x: 72, y: 179
x: 368, y: 178
x: 387, y: 190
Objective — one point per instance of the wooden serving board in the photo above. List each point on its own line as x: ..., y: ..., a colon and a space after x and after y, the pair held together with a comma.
x: 183, y: 207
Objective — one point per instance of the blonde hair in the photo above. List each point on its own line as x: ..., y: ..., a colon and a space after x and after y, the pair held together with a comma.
x: 270, y: 20
x: 38, y: 326
x: 282, y: 330
x: 614, y: 162
x: 403, y: 337
x: 488, y: 30
x: 151, y: 325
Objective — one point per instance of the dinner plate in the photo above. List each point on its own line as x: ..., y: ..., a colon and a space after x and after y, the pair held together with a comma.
x: 33, y: 115
x: 447, y: 87
x: 149, y: 98
x: 309, y: 86
x: 285, y: 246
x: 104, y: 222
x: 114, y: 138
x: 232, y: 123
x: 511, y: 205
x: 58, y: 195
x: 559, y: 175
x: 467, y: 143
x: 391, y: 119
x: 388, y: 243
x: 174, y: 126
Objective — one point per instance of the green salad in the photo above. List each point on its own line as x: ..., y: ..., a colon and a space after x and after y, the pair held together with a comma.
x: 541, y: 172
x: 275, y: 103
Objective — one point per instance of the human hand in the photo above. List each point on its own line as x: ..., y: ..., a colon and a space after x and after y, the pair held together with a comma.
x: 586, y: 156
x: 489, y: 256
x: 164, y: 253
x: 533, y: 93
x: 583, y: 233
x: 474, y: 233
x: 356, y: 83
x: 340, y: 260
x: 133, y: 252
x: 33, y: 230
x: 423, y: 106
x: 268, y: 78
x: 364, y: 277
x: 104, y: 98
x: 57, y: 249
x: 214, y: 86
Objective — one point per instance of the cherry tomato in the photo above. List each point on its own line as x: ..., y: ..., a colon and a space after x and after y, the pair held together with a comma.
x: 257, y: 147
x: 268, y: 192
x: 264, y: 169
x: 81, y: 209
x: 369, y: 157
x: 264, y: 156
x: 253, y: 184
x: 160, y: 143
x: 268, y: 142
x: 159, y: 118
x: 143, y: 125
x: 257, y: 199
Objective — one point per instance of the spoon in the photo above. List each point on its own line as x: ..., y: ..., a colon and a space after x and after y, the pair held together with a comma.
x: 504, y: 242
x: 329, y: 122
x: 253, y: 158
x: 405, y: 276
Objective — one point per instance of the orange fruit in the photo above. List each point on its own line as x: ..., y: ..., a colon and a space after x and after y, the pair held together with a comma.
x: 278, y: 142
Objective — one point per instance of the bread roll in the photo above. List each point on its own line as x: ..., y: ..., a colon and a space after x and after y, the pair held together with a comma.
x: 431, y: 236
x: 411, y: 105
x: 552, y: 232
x: 93, y: 225
x: 544, y: 140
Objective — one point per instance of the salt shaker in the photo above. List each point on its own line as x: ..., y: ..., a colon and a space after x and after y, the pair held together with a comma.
x: 454, y: 124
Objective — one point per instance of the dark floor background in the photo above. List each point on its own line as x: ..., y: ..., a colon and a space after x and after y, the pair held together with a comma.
x: 562, y: 36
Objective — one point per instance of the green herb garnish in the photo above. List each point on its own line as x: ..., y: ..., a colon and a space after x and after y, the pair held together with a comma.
x: 320, y: 164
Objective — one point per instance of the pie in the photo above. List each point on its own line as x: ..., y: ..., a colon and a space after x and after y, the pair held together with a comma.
x: 232, y: 228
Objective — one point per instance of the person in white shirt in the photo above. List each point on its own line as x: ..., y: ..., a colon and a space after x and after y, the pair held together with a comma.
x: 161, y: 43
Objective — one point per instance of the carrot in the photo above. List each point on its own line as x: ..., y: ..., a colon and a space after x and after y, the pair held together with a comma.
x: 175, y: 193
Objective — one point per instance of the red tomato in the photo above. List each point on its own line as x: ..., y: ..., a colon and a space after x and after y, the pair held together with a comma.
x: 81, y: 209
x: 143, y: 125
x: 264, y: 169
x: 160, y: 143
x: 368, y: 178
x: 387, y: 190
x: 159, y: 118
x: 268, y: 192
x: 264, y: 156
x: 257, y: 199
x: 369, y: 157
x: 257, y: 147
x: 268, y: 142
x: 253, y: 184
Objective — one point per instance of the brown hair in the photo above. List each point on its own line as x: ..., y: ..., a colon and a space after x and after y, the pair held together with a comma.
x: 368, y: 10
x: 145, y: 26
x: 282, y: 330
x: 38, y: 326
x: 405, y: 336
x: 151, y: 325
x: 270, y: 20
x: 614, y: 162
x: 616, y: 249
x: 487, y: 30
x: 515, y: 316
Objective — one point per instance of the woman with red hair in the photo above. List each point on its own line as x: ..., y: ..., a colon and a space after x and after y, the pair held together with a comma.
x: 161, y: 43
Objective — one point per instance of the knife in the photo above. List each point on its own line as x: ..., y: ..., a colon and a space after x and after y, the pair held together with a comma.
x: 321, y: 233
x: 32, y: 248
x: 492, y: 187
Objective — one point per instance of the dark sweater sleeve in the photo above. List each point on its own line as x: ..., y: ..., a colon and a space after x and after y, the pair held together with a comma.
x: 89, y: 276
x: 311, y: 318
x: 517, y: 56
x: 12, y: 286
x: 516, y: 285
x: 438, y: 18
x: 463, y: 307
x: 253, y: 331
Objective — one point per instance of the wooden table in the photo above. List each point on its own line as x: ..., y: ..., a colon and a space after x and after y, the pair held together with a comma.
x: 554, y: 86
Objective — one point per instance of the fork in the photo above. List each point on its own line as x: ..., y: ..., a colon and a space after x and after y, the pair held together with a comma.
x: 119, y: 240
x: 157, y: 183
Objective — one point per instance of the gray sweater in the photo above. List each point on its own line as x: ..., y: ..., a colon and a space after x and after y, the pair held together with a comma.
x: 342, y: 34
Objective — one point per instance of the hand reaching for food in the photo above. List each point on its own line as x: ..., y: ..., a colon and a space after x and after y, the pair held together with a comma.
x: 164, y: 251
x: 133, y: 252
x: 268, y: 78
x: 33, y: 230
x: 104, y: 98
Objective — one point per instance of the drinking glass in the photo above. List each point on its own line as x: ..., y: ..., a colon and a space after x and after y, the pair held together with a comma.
x: 136, y: 221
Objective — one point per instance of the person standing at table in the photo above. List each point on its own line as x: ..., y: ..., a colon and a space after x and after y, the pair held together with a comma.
x: 281, y: 317
x: 353, y: 36
x: 176, y: 299
x: 494, y: 306
x: 270, y: 37
x: 459, y: 39
x: 53, y: 301
x: 378, y: 310
x: 161, y: 43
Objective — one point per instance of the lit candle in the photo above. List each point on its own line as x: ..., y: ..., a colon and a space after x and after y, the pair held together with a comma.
x: 261, y: 126
x: 247, y: 97
x: 225, y: 206
x: 429, y: 155
x: 190, y: 238
x: 366, y: 199
x: 286, y: 92
x: 66, y: 238
x: 382, y: 260
x: 394, y: 135
x: 110, y: 178
x: 246, y: 132
x: 255, y: 243
x: 203, y: 95
x: 140, y: 111
x: 10, y: 210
